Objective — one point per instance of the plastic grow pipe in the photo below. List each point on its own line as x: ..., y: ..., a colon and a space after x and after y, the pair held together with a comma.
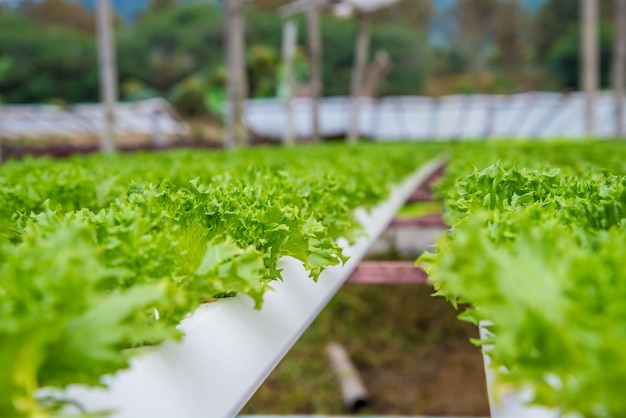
x: 229, y: 348
x: 509, y: 403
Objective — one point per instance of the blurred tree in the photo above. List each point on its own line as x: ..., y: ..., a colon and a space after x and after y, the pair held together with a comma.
x: 6, y: 63
x: 564, y: 57
x: 398, y: 29
x: 268, y: 5
x: 407, y: 49
x: 262, y: 62
x: 476, y: 27
x: 414, y: 13
x: 215, y: 95
x: 156, y: 6
x: 446, y: 61
x: 164, y: 48
x: 511, y: 25
x: 408, y: 54
x: 554, y: 21
x: 187, y: 97
x: 59, y: 13
x: 266, y: 28
x: 47, y: 62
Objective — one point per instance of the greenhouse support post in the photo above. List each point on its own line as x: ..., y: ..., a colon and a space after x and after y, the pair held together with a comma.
x: 360, y: 60
x: 108, y: 74
x: 289, y: 45
x: 236, y: 79
x: 619, y: 65
x: 589, y: 40
x: 315, y: 56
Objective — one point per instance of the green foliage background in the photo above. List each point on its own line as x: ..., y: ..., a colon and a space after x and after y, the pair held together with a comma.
x: 164, y: 49
x: 176, y: 50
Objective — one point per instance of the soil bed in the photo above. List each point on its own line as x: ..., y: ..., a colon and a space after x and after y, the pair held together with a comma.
x: 413, y: 353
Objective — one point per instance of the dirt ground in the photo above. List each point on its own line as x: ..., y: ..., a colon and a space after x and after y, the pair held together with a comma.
x: 413, y: 354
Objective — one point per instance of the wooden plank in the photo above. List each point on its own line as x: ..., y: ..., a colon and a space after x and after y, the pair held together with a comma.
x: 356, y: 90
x: 236, y: 83
x: 315, y: 57
x: 388, y: 272
x: 619, y: 65
x: 289, y: 48
x: 108, y: 73
x: 431, y: 220
x: 590, y: 61
x: 421, y: 194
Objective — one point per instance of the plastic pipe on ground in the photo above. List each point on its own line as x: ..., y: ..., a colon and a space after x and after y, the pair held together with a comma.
x: 353, y: 390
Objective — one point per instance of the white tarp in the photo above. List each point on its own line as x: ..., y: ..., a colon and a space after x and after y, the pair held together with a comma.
x: 525, y: 115
x: 152, y: 118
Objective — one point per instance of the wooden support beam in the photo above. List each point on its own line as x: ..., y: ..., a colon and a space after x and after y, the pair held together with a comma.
x: 590, y: 61
x: 289, y: 47
x: 315, y: 58
x: 431, y: 220
x: 619, y: 65
x: 360, y: 61
x: 108, y: 74
x: 388, y: 272
x: 421, y: 194
x: 237, y: 86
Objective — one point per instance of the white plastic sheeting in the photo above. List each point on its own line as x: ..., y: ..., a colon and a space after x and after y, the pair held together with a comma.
x: 525, y: 115
x: 348, y: 8
x: 152, y: 117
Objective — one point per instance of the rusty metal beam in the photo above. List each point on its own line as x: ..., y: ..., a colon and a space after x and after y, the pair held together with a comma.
x: 421, y: 194
x: 431, y: 220
x: 388, y: 272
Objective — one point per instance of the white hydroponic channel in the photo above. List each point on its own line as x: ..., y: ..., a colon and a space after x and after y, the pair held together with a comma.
x: 510, y: 403
x: 230, y: 348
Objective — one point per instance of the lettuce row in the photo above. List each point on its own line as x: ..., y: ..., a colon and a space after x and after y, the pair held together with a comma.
x: 101, y: 255
x: 536, y: 249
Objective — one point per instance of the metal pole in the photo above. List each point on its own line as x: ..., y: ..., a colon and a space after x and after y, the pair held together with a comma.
x: 289, y: 44
x: 491, y: 110
x: 619, y: 65
x: 315, y: 55
x: 589, y: 15
x: 108, y: 74
x: 360, y: 60
x: 236, y: 83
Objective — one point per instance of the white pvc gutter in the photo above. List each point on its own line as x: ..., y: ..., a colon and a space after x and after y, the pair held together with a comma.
x: 230, y: 348
x: 507, y: 403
